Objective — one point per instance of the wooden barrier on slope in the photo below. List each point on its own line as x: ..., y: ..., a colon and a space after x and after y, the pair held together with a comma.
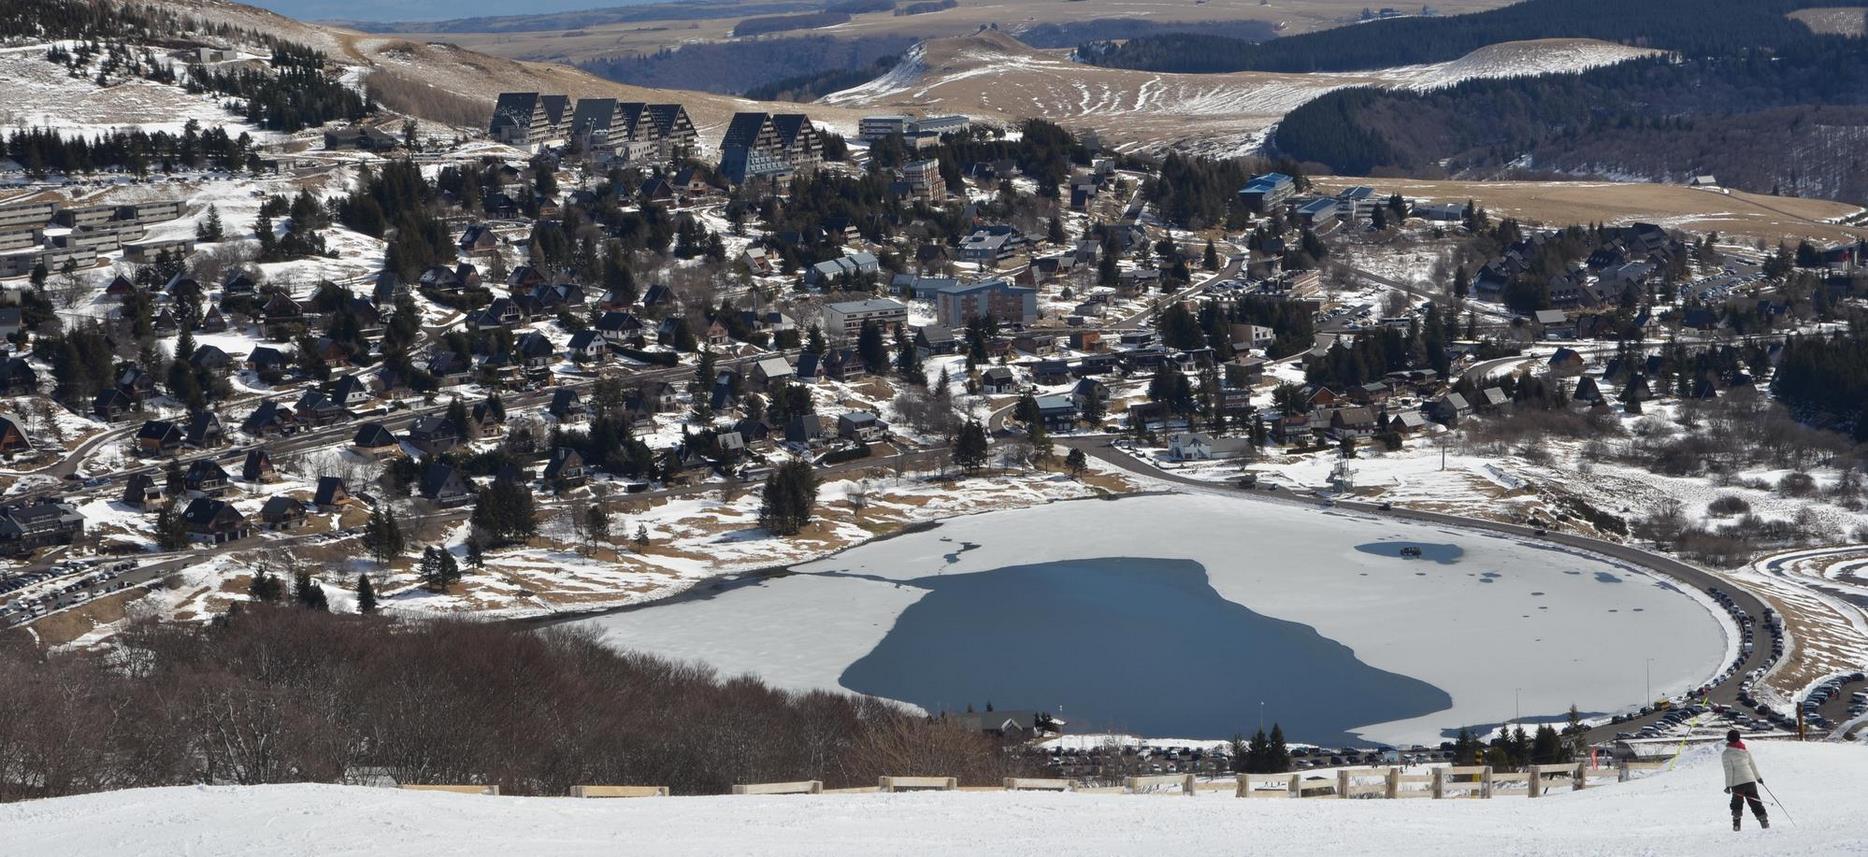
x: 1137, y: 785
x: 1038, y: 784
x: 1348, y: 787
x: 902, y: 784
x: 1282, y: 785
x: 1568, y: 773
x: 1443, y: 781
x: 802, y: 787
x: 459, y: 790
x: 619, y: 791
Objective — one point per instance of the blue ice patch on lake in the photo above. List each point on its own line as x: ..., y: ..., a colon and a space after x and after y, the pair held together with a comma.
x: 1138, y: 645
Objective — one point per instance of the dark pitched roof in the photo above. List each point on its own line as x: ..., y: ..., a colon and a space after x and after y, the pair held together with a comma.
x: 372, y: 435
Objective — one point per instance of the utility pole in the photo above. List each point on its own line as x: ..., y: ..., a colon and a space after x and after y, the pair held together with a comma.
x: 1649, y: 699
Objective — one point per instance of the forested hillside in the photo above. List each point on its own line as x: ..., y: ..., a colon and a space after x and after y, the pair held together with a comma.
x: 1693, y: 27
x: 1785, y: 120
x: 762, y: 69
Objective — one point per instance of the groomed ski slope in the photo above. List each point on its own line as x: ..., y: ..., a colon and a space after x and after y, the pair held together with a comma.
x: 1676, y: 813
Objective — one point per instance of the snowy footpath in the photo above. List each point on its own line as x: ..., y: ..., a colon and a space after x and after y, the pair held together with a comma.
x: 1681, y: 812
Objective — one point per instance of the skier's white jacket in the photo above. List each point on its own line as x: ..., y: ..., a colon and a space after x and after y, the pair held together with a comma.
x: 1739, y: 768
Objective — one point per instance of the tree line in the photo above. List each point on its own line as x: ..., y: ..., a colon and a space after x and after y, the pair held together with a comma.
x: 272, y: 694
x: 1693, y: 27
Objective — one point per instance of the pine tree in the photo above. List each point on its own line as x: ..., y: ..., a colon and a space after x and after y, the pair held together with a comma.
x: 476, y: 556
x: 788, y: 498
x: 1210, y: 260
x: 366, y: 594
x: 266, y: 588
x: 308, y: 593
x: 505, y: 512
x: 1258, y: 754
x: 1278, y: 756
x: 382, y: 535
x: 1076, y: 462
x: 171, y: 530
x: 870, y: 347
x: 597, y: 523
x: 1054, y: 231
x: 211, y: 229
x: 1466, y: 748
x: 970, y: 447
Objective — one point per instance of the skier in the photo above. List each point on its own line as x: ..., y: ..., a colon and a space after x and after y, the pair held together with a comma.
x: 1741, y: 780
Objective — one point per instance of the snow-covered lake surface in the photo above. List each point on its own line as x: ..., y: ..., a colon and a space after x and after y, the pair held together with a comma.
x: 1179, y: 614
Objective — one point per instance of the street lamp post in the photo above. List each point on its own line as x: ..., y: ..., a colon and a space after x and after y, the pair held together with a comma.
x: 1649, y: 698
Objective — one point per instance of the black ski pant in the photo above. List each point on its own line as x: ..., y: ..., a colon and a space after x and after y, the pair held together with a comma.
x: 1744, y: 793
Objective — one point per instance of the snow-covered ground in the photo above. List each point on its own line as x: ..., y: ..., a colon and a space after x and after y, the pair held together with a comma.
x: 1678, y: 812
x: 1530, y: 610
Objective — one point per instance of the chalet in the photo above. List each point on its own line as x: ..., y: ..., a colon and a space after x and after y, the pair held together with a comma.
x: 449, y: 368
x: 349, y: 391
x: 1058, y: 411
x: 204, y: 430
x: 141, y: 491
x: 1566, y: 363
x: 618, y: 327
x: 239, y: 281
x: 861, y: 426
x: 269, y: 418
x: 331, y: 493
x: 120, y: 287
x: 935, y: 339
x: 214, y: 521
x: 1493, y: 398
x: 997, y: 380
x: 268, y: 363
x: 206, y: 478
x: 500, y: 313
x: 566, y: 405
x: 586, y: 346
x: 488, y: 414
x: 159, y: 437
x: 772, y: 371
x: 716, y: 334
x: 434, y: 434
x: 809, y: 366
x: 211, y: 358
x: 258, y: 466
x: 314, y: 408
x: 1372, y: 393
x: 375, y: 440
x: 1449, y: 409
x: 1189, y: 446
x: 1098, y: 364
x: 843, y: 364
x: 535, y: 351
x: 1353, y: 422
x: 1050, y: 373
x: 282, y: 309
x: 1088, y: 390
x: 566, y: 469
x: 478, y: 239
x: 12, y: 439
x: 443, y: 485
x: 112, y: 403
x: 282, y: 512
x: 1244, y: 370
x: 28, y: 526
x: 1406, y: 422
x: 1586, y: 391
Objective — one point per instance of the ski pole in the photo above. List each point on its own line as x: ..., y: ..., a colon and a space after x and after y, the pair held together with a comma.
x: 1775, y: 802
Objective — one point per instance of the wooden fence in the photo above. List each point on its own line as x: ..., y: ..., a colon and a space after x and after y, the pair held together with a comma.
x: 1375, y: 782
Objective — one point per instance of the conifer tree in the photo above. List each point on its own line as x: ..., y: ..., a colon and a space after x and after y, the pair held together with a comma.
x: 308, y: 593
x: 366, y: 594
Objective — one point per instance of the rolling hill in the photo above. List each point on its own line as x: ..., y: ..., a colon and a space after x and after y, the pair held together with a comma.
x: 992, y: 76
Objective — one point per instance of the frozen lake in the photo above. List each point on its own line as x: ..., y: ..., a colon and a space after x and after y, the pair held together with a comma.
x: 1178, y: 615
